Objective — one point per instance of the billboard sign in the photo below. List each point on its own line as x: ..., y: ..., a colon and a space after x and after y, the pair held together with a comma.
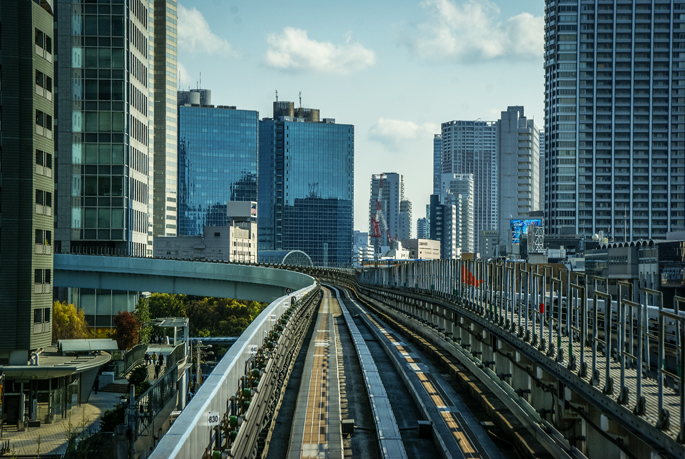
x: 519, y: 228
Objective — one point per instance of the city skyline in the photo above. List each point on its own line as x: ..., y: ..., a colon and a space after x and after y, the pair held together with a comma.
x: 371, y: 74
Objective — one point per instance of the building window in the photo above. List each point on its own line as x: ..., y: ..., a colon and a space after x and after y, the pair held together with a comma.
x: 43, y: 163
x: 43, y: 202
x: 42, y: 280
x: 43, y: 124
x: 43, y: 85
x: 43, y: 44
x: 43, y: 242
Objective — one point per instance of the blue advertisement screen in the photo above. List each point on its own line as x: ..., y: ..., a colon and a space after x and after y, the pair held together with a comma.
x: 520, y: 228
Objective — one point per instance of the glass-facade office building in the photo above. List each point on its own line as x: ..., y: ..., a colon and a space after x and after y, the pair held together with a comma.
x: 103, y: 104
x: 306, y: 185
x: 217, y: 156
x: 615, y: 117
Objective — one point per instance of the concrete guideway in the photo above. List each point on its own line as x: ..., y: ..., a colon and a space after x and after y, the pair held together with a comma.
x: 240, y: 282
x: 316, y: 430
x: 456, y: 431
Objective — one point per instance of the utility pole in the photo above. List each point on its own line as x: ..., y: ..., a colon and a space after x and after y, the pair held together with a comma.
x: 198, y: 371
x: 132, y: 420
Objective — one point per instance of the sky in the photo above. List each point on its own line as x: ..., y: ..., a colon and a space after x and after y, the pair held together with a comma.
x: 393, y: 69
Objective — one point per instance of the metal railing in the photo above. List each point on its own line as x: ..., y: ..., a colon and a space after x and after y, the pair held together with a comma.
x: 151, y: 402
x: 574, y: 322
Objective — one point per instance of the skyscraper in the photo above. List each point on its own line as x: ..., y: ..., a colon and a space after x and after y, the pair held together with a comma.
x: 458, y: 190
x: 405, y: 221
x: 306, y: 185
x: 541, y: 169
x: 103, y: 134
x: 421, y: 228
x: 218, y: 149
x: 471, y: 147
x: 437, y: 162
x: 391, y: 198
x: 519, y: 176
x: 446, y: 226
x: 26, y: 138
x: 165, y: 164
x: 614, y: 117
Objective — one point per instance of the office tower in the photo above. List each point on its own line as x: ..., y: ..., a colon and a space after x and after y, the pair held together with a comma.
x: 218, y: 148
x: 306, y: 185
x: 165, y: 162
x: 437, y: 162
x: 392, y: 196
x: 541, y: 169
x: 428, y: 220
x: 519, y: 178
x: 446, y: 226
x: 421, y: 232
x: 614, y: 118
x: 103, y: 130
x: 459, y: 190
x: 471, y: 147
x: 405, y: 221
x: 26, y: 139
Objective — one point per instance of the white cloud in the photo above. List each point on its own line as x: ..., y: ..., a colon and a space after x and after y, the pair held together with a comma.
x: 184, y: 79
x: 195, y: 36
x: 470, y: 30
x: 396, y: 132
x: 294, y: 50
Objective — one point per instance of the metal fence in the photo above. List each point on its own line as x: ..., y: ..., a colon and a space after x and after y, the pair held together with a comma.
x: 151, y: 402
x: 629, y: 345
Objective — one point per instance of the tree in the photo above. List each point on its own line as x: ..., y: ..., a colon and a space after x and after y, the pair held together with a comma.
x: 68, y: 322
x: 126, y: 332
x: 166, y: 305
x: 142, y: 314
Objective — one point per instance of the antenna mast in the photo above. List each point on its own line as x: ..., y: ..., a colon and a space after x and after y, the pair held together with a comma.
x: 300, y: 99
x: 277, y: 95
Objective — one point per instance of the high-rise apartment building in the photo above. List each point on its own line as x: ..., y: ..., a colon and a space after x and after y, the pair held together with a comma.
x: 26, y: 128
x: 437, y: 162
x: 405, y: 221
x: 446, y: 226
x: 614, y: 117
x: 421, y: 227
x: 103, y: 134
x: 541, y: 169
x: 218, y: 149
x: 459, y: 190
x: 519, y: 175
x: 165, y: 163
x: 471, y: 147
x: 306, y: 185
x: 391, y: 198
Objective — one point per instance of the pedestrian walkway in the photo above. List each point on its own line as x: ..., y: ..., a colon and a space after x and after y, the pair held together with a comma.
x: 53, y: 437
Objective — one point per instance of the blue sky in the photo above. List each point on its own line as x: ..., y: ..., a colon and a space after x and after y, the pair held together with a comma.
x: 394, y: 69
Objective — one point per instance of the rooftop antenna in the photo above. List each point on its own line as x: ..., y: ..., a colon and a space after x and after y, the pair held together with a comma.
x: 179, y: 81
x: 200, y: 80
x: 277, y: 95
x: 300, y: 99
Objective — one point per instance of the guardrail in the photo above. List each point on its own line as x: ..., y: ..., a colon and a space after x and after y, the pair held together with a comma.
x: 603, y: 345
x: 151, y: 402
x: 191, y: 434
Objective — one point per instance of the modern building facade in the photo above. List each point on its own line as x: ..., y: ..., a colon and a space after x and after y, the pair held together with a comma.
x: 405, y: 221
x: 519, y: 176
x: 489, y: 244
x: 446, y: 226
x: 421, y: 228
x: 218, y: 149
x: 422, y: 249
x: 614, y: 118
x: 541, y: 169
x: 391, y: 199
x: 306, y: 185
x: 234, y: 242
x: 437, y: 162
x: 471, y: 147
x: 459, y: 190
x: 26, y: 128
x: 104, y: 129
x: 164, y: 70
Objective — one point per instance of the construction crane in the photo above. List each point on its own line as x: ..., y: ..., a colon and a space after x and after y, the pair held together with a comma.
x: 379, y: 218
